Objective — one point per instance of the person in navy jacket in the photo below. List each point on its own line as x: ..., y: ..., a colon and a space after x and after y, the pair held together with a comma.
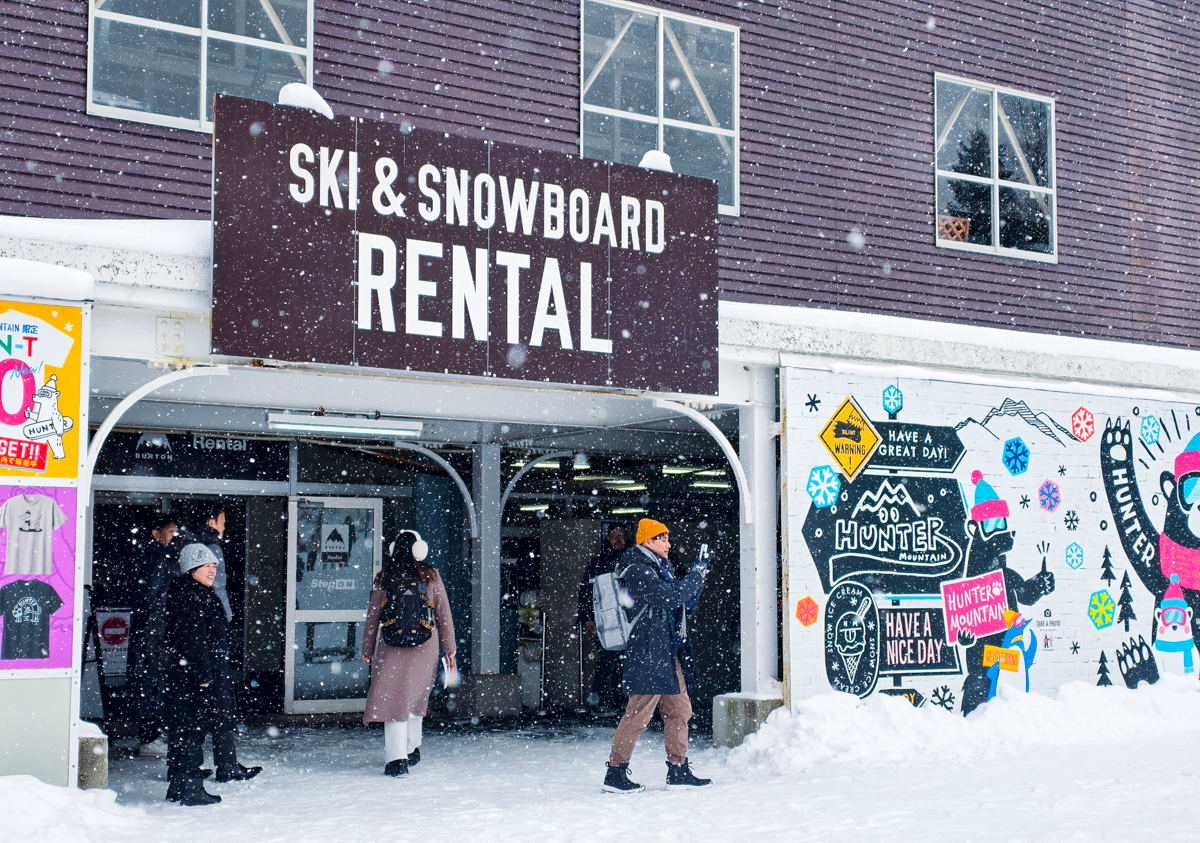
x: 655, y: 657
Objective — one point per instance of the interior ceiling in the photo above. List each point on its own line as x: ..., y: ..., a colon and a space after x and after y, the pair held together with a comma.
x: 536, y: 418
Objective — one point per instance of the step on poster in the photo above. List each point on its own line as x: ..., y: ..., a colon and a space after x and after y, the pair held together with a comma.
x: 43, y: 353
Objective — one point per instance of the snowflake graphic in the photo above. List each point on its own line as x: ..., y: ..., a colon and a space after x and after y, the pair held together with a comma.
x: 893, y: 400
x: 823, y: 486
x: 1075, y: 647
x: 1100, y: 609
x: 1083, y: 424
x: 1072, y: 520
x: 807, y: 611
x: 943, y: 697
x: 1151, y: 430
x: 1062, y: 471
x: 1024, y: 501
x: 69, y: 328
x: 1074, y: 556
x: 1015, y: 456
x: 1048, y: 496
x: 812, y: 403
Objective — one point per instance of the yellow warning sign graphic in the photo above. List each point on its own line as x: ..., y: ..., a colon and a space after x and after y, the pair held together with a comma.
x: 850, y: 438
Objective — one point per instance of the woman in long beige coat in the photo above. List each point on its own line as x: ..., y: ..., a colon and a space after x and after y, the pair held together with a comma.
x: 402, y: 677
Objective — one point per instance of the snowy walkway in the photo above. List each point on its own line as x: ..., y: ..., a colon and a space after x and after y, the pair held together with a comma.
x: 1093, y: 764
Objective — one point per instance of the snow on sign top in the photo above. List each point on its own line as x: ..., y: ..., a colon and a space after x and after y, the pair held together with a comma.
x: 351, y: 242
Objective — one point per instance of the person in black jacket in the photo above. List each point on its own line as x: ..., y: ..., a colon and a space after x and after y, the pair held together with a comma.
x: 211, y: 532
x: 606, y: 680
x: 153, y: 574
x: 656, y: 656
x: 198, y: 690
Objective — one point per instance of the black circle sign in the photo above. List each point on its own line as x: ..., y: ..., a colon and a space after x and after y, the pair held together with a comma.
x: 851, y: 639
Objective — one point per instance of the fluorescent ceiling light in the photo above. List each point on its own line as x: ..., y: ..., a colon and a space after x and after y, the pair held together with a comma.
x: 551, y: 464
x: 620, y: 481
x: 345, y: 426
x: 712, y: 472
x: 628, y: 510
x: 580, y: 462
x: 679, y: 469
x: 709, y: 484
x: 535, y: 507
x: 636, y: 487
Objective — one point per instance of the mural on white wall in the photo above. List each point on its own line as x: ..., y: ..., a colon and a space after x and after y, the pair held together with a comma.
x: 950, y: 542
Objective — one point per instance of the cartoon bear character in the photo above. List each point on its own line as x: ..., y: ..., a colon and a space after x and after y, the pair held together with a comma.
x: 1172, y: 557
x: 1021, y: 639
x: 1174, y: 648
x: 989, y: 542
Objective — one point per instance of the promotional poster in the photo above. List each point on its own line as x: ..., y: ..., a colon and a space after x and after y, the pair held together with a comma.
x: 945, y: 540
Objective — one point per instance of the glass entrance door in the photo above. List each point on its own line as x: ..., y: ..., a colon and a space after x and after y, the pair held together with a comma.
x: 335, y: 548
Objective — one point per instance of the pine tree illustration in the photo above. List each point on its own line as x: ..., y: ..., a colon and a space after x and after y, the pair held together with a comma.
x: 1106, y: 571
x: 1103, y: 671
x: 1126, y: 603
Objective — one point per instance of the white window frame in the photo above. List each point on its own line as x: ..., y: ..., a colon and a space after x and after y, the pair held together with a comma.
x: 734, y: 135
x: 204, y: 34
x: 995, y: 181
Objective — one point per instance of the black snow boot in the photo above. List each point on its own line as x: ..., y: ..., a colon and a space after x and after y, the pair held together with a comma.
x: 238, y: 773
x: 399, y: 767
x: 616, y: 780
x: 414, y: 757
x: 681, y: 777
x: 191, y: 792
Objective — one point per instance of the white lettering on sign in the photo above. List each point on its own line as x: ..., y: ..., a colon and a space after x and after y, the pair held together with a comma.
x: 380, y: 285
x: 514, y: 263
x: 303, y: 192
x: 415, y: 287
x: 466, y: 200
x: 210, y: 443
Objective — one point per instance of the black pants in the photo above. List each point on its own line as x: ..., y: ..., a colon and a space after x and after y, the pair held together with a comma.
x: 606, y: 681
x: 185, y: 752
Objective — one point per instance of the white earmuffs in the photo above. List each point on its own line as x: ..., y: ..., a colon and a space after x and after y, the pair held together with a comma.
x: 420, y: 546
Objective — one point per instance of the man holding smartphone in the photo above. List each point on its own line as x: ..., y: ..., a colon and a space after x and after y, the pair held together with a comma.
x: 658, y: 648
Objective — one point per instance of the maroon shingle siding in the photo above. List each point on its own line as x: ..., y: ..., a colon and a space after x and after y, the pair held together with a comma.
x: 836, y: 120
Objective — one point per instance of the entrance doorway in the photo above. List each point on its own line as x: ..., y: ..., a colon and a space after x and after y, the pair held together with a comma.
x: 335, y: 548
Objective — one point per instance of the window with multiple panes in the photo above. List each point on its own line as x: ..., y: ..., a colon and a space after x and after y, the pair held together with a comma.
x: 994, y: 154
x: 163, y: 61
x: 652, y: 80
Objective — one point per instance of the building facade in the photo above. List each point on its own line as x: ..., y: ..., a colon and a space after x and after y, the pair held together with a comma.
x: 975, y: 223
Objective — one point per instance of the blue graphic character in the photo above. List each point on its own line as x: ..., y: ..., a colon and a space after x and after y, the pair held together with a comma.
x: 1022, y: 639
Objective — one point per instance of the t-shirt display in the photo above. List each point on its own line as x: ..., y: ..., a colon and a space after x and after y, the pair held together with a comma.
x: 30, y: 521
x: 26, y: 607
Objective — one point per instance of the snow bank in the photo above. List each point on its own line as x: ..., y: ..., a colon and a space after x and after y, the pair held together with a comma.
x: 33, y: 810
x: 885, y: 730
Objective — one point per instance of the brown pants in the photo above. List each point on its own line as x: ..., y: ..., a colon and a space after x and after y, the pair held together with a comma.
x: 676, y: 711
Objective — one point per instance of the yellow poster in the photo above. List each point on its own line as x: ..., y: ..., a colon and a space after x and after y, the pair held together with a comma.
x: 1008, y: 659
x: 41, y: 348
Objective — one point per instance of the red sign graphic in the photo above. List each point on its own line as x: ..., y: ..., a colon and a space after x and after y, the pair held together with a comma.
x: 21, y: 453
x: 115, y: 631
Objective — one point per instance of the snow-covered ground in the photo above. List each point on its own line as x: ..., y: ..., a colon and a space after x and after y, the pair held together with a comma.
x: 1091, y: 764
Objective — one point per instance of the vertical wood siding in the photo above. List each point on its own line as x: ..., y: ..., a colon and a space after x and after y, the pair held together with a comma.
x: 837, y: 126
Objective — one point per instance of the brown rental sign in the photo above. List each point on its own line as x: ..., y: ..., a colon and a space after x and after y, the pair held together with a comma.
x: 353, y: 242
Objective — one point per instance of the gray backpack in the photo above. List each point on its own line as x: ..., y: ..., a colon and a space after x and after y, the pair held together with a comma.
x: 610, y: 601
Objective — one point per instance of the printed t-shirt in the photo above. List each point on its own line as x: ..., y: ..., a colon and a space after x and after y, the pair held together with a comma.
x: 26, y: 607
x: 30, y: 521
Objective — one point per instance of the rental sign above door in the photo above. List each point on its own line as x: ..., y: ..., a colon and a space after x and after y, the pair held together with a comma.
x: 358, y: 243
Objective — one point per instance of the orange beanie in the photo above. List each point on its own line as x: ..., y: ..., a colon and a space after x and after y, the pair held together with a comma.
x: 648, y: 529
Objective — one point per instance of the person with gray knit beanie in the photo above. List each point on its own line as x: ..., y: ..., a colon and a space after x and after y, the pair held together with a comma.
x: 199, y: 684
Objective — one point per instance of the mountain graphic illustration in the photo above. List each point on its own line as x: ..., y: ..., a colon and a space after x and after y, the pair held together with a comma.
x: 1041, y: 421
x: 335, y: 538
x: 886, y: 495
